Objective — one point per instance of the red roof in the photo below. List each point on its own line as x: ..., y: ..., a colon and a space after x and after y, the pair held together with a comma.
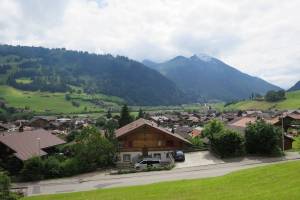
x: 30, y: 143
x: 141, y: 122
x: 196, y: 133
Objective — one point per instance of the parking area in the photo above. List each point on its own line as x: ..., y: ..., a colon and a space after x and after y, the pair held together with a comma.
x: 199, y: 158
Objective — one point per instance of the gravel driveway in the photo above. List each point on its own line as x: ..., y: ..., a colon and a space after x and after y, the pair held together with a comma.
x: 199, y: 158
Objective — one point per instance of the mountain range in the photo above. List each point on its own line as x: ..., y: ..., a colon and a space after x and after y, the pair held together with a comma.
x: 59, y: 70
x: 295, y: 87
x: 204, y: 78
x: 176, y: 81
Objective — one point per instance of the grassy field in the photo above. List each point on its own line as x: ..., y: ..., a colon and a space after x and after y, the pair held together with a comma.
x: 274, y: 182
x: 43, y: 102
x: 292, y: 102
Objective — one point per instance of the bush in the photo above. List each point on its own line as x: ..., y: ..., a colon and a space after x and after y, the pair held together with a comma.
x: 101, y: 121
x: 70, y: 167
x: 223, y: 142
x: 296, y: 144
x: 5, y: 184
x: 228, y: 143
x: 51, y: 167
x: 273, y: 96
x: 33, y: 169
x: 212, y: 129
x: 197, y: 142
x: 262, y: 138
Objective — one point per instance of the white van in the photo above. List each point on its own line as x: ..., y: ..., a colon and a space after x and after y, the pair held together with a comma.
x: 147, y: 162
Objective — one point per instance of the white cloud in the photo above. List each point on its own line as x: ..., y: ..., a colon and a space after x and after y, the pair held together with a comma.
x: 261, y: 38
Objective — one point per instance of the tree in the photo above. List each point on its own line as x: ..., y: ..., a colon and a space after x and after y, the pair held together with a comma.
x: 125, y: 117
x: 223, y: 142
x: 92, y: 150
x: 228, y: 143
x: 33, y: 169
x: 141, y: 114
x: 5, y: 185
x: 108, y: 114
x: 273, y: 96
x: 262, y: 138
x: 110, y: 128
x: 101, y: 121
x: 212, y: 129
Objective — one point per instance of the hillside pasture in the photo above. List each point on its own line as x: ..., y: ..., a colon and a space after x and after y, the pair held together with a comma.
x: 44, y: 102
x: 292, y: 101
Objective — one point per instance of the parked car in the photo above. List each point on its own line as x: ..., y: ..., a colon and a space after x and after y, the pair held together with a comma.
x: 179, y: 156
x: 147, y: 162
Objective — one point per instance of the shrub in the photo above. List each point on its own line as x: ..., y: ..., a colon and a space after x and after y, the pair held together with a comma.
x: 296, y: 144
x: 262, y: 138
x: 5, y: 184
x: 212, y: 129
x: 228, y: 143
x: 33, y: 169
x: 51, y: 167
x: 70, y: 167
x: 273, y: 96
x: 223, y: 142
x: 101, y: 121
x: 197, y: 142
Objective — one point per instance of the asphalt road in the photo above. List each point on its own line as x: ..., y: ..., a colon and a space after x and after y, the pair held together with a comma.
x: 104, y: 180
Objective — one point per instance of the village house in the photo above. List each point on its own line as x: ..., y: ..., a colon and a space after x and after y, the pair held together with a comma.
x: 143, y: 138
x: 25, y: 144
x: 240, y: 125
x: 42, y: 121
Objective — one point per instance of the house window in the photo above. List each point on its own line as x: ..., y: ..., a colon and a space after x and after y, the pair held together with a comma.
x: 126, y: 157
x: 170, y: 143
x: 159, y: 143
x: 157, y: 155
x: 130, y: 144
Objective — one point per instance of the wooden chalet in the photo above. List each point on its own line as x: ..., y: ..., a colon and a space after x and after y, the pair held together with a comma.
x: 143, y: 138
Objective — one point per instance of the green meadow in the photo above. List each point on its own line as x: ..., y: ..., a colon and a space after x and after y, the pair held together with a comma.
x: 273, y: 182
x: 42, y: 102
x: 292, y: 101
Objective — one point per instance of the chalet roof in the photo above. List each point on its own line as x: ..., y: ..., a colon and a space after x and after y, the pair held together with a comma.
x: 243, y: 121
x: 294, y: 116
x: 142, y: 122
x: 47, y: 118
x: 30, y: 143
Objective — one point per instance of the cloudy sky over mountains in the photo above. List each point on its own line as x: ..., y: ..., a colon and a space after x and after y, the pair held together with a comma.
x: 261, y: 38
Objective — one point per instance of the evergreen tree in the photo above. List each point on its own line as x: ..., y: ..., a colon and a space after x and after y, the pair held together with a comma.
x: 108, y: 114
x: 125, y: 117
x: 141, y: 114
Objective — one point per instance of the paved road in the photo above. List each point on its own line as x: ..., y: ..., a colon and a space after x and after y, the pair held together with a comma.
x: 104, y: 180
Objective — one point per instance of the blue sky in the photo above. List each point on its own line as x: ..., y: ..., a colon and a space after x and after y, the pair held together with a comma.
x: 261, y: 38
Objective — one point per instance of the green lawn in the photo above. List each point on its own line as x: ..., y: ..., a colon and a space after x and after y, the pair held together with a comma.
x: 43, y: 101
x: 24, y: 80
x: 292, y: 102
x: 274, y: 182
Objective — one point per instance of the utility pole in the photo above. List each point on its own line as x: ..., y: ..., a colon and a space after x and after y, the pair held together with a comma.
x: 39, y: 145
x: 282, y: 130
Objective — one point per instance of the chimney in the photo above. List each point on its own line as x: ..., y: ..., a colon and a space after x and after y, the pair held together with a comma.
x: 21, y: 129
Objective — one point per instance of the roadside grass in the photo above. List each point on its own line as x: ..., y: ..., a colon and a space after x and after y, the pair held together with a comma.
x: 42, y: 102
x: 292, y: 101
x: 278, y: 181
